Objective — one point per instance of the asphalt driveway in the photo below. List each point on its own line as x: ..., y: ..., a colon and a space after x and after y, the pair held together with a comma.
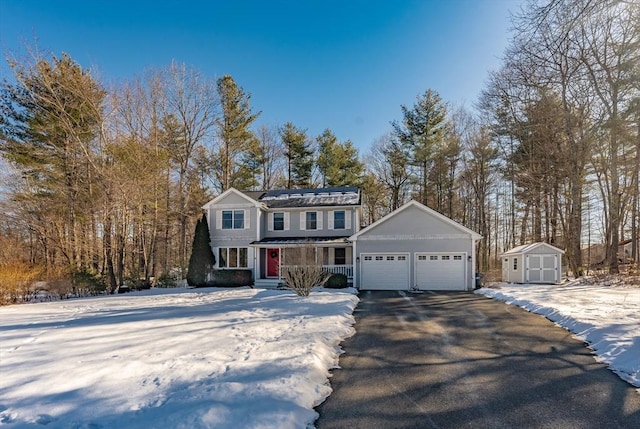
x: 459, y: 360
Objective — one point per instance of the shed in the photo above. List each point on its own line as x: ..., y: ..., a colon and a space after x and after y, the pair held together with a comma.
x: 532, y: 263
x: 415, y: 247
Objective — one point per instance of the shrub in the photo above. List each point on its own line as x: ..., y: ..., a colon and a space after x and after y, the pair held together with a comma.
x: 302, y: 279
x: 201, y: 260
x: 230, y: 278
x: 337, y: 281
x: 166, y: 280
x: 16, y: 280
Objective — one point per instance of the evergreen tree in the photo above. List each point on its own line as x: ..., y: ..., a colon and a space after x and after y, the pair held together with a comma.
x: 239, y: 151
x: 299, y: 156
x: 326, y: 162
x: 422, y: 127
x: 338, y: 163
x: 202, y: 260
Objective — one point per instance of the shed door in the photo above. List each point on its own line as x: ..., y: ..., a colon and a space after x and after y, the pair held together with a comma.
x: 542, y: 268
x: 441, y: 271
x: 384, y: 271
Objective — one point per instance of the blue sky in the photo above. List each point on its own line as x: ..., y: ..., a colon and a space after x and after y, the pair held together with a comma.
x: 344, y: 65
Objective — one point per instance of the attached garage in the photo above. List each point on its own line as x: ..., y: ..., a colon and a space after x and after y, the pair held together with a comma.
x: 532, y: 263
x: 417, y: 248
x: 385, y: 271
x: 441, y: 271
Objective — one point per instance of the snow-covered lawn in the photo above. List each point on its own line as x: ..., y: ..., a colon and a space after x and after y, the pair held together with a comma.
x: 607, y: 318
x: 172, y: 358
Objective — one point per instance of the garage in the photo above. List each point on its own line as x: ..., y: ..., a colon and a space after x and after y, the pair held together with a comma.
x: 414, y: 247
x: 387, y: 271
x: 440, y: 271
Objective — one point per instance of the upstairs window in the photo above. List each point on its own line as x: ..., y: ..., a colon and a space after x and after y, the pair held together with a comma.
x: 311, y: 220
x: 278, y: 221
x: 233, y: 219
x: 338, y: 219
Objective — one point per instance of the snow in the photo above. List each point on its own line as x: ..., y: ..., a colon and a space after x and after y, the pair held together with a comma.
x: 172, y: 358
x: 606, y: 318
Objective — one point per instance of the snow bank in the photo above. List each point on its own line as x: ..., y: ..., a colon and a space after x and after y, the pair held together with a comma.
x: 173, y: 358
x: 606, y: 318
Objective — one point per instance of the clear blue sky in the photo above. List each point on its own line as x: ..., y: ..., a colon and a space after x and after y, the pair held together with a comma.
x: 344, y: 65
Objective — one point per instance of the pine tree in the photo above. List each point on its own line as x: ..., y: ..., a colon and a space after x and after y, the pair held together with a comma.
x: 202, y: 260
x: 239, y: 147
x: 299, y: 156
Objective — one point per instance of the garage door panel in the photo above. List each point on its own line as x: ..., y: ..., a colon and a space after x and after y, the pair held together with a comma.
x: 388, y: 271
x: 439, y: 271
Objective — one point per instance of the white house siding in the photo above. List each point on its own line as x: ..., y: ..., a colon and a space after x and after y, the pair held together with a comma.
x: 234, y: 237
x: 293, y: 224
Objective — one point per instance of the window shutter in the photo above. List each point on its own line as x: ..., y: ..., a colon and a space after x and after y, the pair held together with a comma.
x: 218, y: 219
x: 303, y: 221
x: 347, y: 219
x: 246, y: 219
x: 330, y: 220
x: 286, y: 221
x: 270, y: 222
x: 319, y: 220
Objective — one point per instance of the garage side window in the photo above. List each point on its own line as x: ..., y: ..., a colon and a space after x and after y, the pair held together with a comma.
x: 515, y: 264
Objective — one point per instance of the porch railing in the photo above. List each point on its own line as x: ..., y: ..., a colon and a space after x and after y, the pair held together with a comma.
x: 347, y: 270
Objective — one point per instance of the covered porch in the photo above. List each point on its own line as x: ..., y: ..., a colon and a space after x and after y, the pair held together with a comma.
x: 273, y: 256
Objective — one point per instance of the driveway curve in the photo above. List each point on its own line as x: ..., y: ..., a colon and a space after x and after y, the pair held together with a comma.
x: 460, y: 360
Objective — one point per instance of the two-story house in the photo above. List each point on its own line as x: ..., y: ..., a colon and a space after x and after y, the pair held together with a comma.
x: 255, y: 230
x: 412, y: 248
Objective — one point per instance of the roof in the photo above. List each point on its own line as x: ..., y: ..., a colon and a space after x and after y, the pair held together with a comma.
x: 337, y: 196
x: 244, y: 195
x: 284, y: 241
x: 525, y: 248
x: 427, y: 210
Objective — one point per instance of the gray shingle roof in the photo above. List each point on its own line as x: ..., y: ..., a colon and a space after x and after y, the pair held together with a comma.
x: 338, y: 196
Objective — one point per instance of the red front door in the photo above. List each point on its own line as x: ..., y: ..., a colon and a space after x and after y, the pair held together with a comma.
x: 273, y: 262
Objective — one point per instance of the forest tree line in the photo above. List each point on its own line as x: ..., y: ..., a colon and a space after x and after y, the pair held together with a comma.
x: 108, y: 182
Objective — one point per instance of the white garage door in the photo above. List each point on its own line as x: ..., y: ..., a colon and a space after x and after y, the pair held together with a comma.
x: 441, y: 271
x: 388, y: 271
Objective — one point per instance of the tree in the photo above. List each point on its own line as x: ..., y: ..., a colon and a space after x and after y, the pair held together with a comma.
x: 202, y: 260
x: 338, y: 162
x: 299, y: 156
x: 49, y: 131
x: 239, y: 151
x: 423, y: 126
x: 389, y: 162
x: 273, y: 160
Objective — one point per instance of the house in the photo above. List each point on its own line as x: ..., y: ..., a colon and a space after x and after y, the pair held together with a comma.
x: 532, y: 263
x: 414, y: 247
x: 261, y: 231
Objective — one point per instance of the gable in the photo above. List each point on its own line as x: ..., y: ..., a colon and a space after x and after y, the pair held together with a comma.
x: 231, y: 198
x: 414, y: 220
x: 540, y: 248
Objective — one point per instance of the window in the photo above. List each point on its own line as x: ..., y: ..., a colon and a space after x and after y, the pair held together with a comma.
x: 433, y: 258
x: 379, y: 258
x: 278, y: 221
x: 422, y: 258
x: 311, y: 220
x: 446, y: 257
x: 340, y: 256
x: 233, y: 219
x: 367, y: 258
x: 402, y: 258
x: 338, y: 219
x: 515, y: 264
x: 457, y: 258
x: 232, y: 257
x: 390, y: 258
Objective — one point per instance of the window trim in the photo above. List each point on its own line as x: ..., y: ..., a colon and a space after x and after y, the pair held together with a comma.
x: 231, y: 223
x: 241, y: 253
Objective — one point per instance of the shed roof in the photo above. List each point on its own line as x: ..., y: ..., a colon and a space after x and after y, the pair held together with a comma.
x: 526, y: 248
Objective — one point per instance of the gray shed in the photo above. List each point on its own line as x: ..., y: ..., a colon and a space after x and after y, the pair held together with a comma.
x: 532, y: 263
